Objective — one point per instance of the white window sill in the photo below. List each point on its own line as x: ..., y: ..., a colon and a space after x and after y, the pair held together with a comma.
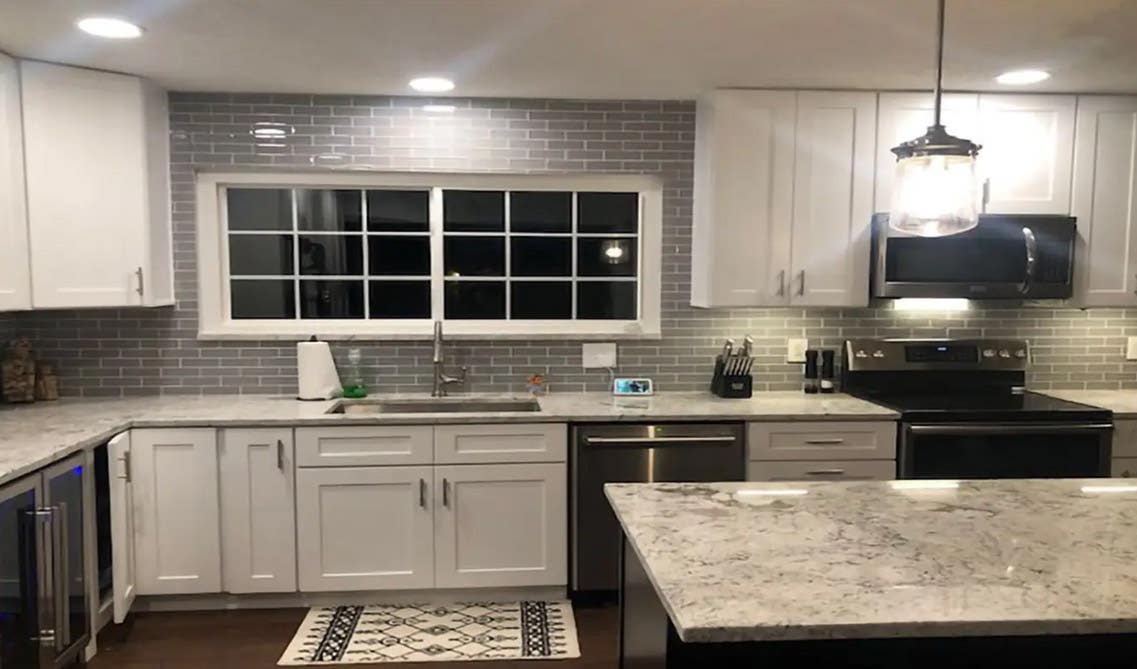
x: 424, y: 331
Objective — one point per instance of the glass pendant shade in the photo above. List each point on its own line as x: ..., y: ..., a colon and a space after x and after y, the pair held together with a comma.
x: 934, y: 195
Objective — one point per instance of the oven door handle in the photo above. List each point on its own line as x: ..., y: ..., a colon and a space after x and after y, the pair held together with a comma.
x: 648, y: 441
x: 1031, y: 260
x: 1008, y: 428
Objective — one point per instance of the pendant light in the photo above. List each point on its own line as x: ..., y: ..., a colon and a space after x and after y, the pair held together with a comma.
x: 934, y: 193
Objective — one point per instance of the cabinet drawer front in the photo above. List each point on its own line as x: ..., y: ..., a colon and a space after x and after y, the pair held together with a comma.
x: 500, y: 443
x: 363, y: 446
x: 822, y: 470
x: 822, y: 441
x: 1124, y: 468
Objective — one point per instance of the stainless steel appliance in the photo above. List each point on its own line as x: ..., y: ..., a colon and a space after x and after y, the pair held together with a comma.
x: 43, y: 591
x: 965, y: 415
x: 1006, y: 256
x: 633, y: 453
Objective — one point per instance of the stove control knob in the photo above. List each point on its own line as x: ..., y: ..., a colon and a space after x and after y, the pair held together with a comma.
x: 988, y: 353
x: 1004, y: 353
x: 860, y: 354
x: 878, y: 354
x: 1021, y: 353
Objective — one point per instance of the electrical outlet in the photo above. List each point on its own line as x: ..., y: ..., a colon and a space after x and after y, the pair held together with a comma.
x: 795, y: 350
x: 601, y: 355
x: 1131, y: 348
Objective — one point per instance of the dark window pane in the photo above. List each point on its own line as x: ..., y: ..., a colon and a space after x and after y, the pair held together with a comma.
x: 607, y: 212
x: 540, y: 256
x: 398, y: 210
x: 474, y: 256
x: 407, y: 256
x: 259, y: 209
x: 400, y: 299
x: 329, y: 210
x: 260, y: 254
x: 475, y: 299
x: 262, y: 299
x: 331, y: 254
x: 331, y: 299
x: 540, y: 212
x: 606, y: 300
x: 473, y: 211
x: 600, y: 256
x: 540, y: 299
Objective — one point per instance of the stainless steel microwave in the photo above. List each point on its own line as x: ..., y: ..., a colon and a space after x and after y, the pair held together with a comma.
x: 1007, y: 256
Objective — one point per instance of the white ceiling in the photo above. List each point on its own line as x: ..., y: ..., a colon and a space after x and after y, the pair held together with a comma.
x: 585, y: 48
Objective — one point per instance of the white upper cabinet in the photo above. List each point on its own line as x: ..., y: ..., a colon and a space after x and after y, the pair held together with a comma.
x: 15, y: 278
x: 1105, y: 202
x: 98, y: 188
x: 905, y: 116
x: 783, y: 193
x: 833, y: 189
x: 743, y: 201
x: 1028, y: 152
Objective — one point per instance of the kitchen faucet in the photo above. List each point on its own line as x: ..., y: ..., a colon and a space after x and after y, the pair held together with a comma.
x: 441, y: 380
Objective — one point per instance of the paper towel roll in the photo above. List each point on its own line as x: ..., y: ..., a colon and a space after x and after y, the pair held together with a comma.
x: 316, y: 373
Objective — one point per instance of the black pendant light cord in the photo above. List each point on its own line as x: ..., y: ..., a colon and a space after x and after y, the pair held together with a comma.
x: 939, y: 61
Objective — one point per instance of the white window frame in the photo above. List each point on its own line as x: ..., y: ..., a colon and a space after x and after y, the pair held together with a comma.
x: 215, y: 322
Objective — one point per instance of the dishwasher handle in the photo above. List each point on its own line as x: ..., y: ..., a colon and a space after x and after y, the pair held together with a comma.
x: 660, y: 441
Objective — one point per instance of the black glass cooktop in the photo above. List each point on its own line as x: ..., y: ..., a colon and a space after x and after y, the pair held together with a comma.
x: 1026, y: 406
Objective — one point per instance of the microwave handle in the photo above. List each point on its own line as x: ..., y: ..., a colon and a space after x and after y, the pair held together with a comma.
x: 1031, y: 260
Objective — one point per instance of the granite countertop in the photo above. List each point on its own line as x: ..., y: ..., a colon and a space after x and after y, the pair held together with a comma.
x: 1123, y: 403
x: 876, y: 559
x: 35, y: 435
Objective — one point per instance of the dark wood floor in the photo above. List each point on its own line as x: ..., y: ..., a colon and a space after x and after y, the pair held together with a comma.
x: 255, y: 640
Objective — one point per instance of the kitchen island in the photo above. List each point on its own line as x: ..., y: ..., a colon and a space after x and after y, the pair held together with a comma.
x: 1003, y: 573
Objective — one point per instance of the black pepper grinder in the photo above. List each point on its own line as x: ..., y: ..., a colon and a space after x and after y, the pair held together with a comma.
x: 828, y: 371
x: 810, y: 385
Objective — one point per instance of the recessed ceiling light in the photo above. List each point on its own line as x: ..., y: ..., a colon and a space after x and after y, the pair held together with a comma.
x: 1022, y: 77
x: 432, y: 84
x: 102, y: 26
x: 439, y: 109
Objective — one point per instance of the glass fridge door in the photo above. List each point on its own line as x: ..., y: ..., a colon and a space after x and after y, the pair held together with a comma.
x: 63, y: 494
x: 21, y: 559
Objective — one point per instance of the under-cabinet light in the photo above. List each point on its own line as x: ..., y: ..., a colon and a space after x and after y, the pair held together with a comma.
x: 932, y: 304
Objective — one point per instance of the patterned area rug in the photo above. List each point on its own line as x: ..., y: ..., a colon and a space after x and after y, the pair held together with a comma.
x: 434, y: 633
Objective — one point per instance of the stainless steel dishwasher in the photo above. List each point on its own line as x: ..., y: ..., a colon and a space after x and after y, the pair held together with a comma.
x: 636, y: 453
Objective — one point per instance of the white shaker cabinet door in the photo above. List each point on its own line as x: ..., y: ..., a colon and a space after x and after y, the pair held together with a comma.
x: 1105, y: 202
x: 743, y: 198
x: 364, y: 528
x: 906, y: 116
x: 177, y: 529
x: 500, y: 525
x: 15, y: 272
x: 1027, y: 157
x: 124, y: 588
x: 258, y: 513
x: 833, y: 191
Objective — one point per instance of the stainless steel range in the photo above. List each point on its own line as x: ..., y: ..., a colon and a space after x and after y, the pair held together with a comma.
x: 965, y: 413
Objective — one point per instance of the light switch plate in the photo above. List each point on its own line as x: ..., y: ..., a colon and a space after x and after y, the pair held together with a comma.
x: 795, y: 350
x: 598, y: 355
x: 1131, y: 348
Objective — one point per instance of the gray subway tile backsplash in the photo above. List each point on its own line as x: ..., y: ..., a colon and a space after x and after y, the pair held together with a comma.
x: 109, y: 353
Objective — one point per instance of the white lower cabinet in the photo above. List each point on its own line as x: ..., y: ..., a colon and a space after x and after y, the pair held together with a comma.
x: 177, y: 534
x: 124, y: 564
x: 258, y: 515
x: 835, y: 470
x: 364, y: 528
x: 500, y: 525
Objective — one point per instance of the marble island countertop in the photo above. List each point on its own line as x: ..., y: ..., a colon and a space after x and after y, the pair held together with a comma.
x: 736, y: 562
x: 32, y: 436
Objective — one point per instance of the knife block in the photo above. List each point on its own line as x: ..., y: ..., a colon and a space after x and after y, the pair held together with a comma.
x: 730, y: 385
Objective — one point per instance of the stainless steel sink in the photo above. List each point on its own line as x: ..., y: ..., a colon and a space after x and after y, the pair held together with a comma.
x: 446, y: 405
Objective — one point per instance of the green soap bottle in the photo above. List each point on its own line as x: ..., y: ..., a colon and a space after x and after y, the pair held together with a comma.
x: 354, y: 388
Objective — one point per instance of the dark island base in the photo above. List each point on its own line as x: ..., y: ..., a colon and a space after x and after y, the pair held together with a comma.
x: 649, y: 641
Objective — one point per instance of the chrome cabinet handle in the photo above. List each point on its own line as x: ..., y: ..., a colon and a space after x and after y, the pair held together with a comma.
x: 46, y: 620
x: 280, y: 454
x: 1031, y: 260
x: 825, y: 472
x: 141, y: 290
x: 782, y: 283
x: 822, y: 442
x: 63, y: 584
x: 422, y: 493
x: 801, y: 287
x: 661, y: 440
x: 125, y: 460
x: 445, y: 492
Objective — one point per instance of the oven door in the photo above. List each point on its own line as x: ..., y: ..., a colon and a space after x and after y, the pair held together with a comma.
x: 1007, y: 257
x: 1004, y: 450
